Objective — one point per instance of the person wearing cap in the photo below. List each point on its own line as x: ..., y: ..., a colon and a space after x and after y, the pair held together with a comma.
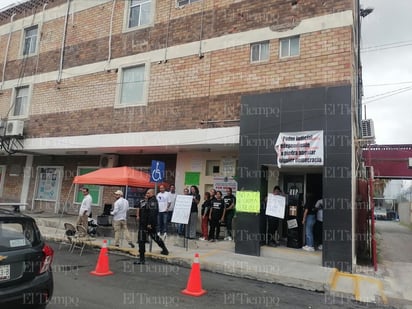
x: 85, y: 209
x: 119, y: 213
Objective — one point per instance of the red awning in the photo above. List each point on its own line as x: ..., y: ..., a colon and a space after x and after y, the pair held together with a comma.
x: 116, y: 176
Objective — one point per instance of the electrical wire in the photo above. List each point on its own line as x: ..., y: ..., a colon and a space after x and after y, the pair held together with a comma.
x: 385, y: 95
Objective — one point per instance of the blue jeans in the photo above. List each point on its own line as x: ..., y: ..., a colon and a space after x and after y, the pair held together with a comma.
x: 162, y: 222
x: 310, y: 222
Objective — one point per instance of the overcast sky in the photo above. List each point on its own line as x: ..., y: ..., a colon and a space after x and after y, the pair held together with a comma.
x: 387, y: 68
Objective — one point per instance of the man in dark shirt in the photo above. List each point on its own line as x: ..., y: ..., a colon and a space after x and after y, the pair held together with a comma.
x: 230, y: 203
x: 147, y: 215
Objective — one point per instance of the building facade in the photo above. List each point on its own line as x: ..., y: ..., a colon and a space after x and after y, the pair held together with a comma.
x: 205, y: 86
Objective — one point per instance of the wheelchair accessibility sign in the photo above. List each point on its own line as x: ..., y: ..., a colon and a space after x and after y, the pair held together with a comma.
x: 157, y: 171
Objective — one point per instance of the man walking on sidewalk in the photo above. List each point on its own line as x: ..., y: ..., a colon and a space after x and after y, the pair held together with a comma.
x: 119, y: 213
x: 147, y: 215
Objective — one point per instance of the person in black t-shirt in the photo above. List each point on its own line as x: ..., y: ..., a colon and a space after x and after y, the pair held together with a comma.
x: 229, y: 212
x: 205, y: 216
x: 216, y: 216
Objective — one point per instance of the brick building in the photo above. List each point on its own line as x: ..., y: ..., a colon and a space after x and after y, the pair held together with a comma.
x: 205, y: 86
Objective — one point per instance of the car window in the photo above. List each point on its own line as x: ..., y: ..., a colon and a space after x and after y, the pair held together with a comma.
x: 14, y: 235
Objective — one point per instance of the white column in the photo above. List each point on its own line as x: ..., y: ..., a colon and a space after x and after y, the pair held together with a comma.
x: 26, y: 180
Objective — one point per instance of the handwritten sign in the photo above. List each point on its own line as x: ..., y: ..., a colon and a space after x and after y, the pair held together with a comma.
x: 248, y: 201
x: 181, y: 212
x: 275, y: 206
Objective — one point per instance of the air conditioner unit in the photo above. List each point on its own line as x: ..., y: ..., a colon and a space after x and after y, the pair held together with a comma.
x: 368, y: 130
x: 109, y: 160
x: 14, y: 128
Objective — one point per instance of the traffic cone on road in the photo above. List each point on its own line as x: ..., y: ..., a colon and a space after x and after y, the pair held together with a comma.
x: 102, y: 267
x: 194, y: 284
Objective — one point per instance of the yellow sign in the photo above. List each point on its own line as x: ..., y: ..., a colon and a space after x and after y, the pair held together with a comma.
x: 248, y: 201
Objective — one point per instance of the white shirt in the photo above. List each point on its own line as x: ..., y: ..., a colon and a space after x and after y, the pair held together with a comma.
x: 121, y: 206
x: 172, y: 201
x: 163, y: 199
x: 86, y: 205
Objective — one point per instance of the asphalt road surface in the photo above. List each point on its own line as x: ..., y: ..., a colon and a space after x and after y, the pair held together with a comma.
x: 158, y: 285
x: 395, y: 259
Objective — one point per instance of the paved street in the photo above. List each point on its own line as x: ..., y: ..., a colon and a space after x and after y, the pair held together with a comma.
x: 158, y: 285
x: 395, y: 259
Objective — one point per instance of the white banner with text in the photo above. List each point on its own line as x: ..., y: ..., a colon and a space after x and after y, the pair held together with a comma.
x: 300, y: 148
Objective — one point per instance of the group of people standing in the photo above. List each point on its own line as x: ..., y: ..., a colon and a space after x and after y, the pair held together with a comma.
x: 154, y: 214
x: 217, y: 210
x: 312, y: 222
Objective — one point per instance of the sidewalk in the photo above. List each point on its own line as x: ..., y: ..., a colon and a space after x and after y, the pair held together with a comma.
x: 282, y: 265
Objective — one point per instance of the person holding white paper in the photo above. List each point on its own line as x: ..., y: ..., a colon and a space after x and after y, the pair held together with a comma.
x: 273, y: 222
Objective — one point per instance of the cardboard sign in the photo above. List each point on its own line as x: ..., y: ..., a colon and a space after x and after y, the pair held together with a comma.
x: 292, y: 223
x: 181, y: 212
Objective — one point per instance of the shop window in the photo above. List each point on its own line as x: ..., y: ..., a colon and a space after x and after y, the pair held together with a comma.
x: 48, y: 180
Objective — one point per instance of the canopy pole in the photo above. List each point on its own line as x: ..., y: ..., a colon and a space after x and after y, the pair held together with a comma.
x: 64, y: 208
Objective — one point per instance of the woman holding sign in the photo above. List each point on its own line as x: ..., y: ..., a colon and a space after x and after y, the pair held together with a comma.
x: 216, y: 216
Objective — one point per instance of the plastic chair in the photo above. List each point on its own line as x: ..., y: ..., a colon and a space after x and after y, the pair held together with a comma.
x: 81, y: 239
x: 70, y: 234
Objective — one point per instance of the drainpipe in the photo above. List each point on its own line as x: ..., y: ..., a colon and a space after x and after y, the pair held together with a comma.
x: 109, y: 57
x: 38, y: 52
x: 7, y: 51
x: 59, y: 76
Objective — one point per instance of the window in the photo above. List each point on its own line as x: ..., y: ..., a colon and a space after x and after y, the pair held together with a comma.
x: 140, y: 13
x: 133, y: 86
x: 21, y: 101
x: 289, y: 47
x: 30, y: 41
x: 259, y: 52
x: 95, y: 191
x: 212, y: 167
x: 48, y: 183
x: 184, y: 2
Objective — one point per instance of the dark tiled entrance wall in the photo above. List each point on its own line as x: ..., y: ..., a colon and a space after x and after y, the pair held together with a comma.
x: 264, y: 116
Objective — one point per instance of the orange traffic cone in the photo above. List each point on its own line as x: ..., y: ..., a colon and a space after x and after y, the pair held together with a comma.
x: 194, y: 284
x: 102, y: 267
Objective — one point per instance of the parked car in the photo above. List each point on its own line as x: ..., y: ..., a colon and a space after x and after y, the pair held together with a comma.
x: 26, y: 277
x: 380, y: 214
